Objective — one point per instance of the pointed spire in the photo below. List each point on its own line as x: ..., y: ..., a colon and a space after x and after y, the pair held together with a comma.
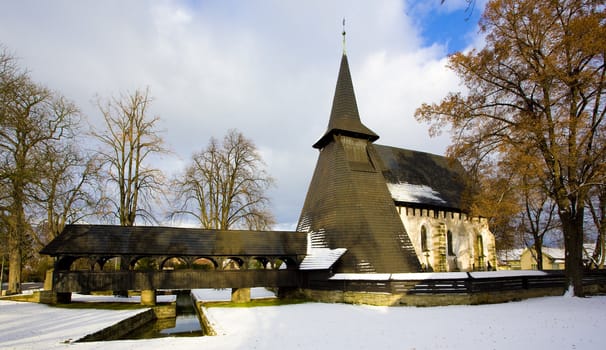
x: 344, y: 117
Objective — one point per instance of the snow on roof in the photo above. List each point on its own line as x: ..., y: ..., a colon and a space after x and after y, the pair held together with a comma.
x: 361, y: 276
x: 428, y: 276
x: 420, y: 276
x: 423, y: 178
x: 556, y: 253
x: 321, y: 258
x: 559, y: 254
x: 510, y: 254
x: 405, y: 192
x: 505, y: 273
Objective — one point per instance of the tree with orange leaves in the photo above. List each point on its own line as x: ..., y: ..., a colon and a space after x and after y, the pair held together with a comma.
x: 536, y: 88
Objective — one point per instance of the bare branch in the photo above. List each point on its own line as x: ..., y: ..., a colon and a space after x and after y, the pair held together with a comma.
x: 224, y: 186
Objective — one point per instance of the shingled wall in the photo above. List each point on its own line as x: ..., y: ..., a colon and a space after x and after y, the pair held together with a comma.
x: 348, y: 204
x: 348, y: 201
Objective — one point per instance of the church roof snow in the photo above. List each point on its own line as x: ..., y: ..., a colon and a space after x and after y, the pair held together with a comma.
x: 321, y: 258
x: 423, y: 179
x: 405, y: 192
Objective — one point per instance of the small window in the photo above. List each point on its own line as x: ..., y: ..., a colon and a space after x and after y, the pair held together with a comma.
x: 480, y: 246
x: 449, y: 242
x: 424, y: 239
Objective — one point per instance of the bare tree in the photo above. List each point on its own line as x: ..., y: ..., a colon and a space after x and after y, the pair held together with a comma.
x: 32, y: 119
x: 70, y: 189
x: 537, y: 220
x: 130, y: 138
x: 224, y: 186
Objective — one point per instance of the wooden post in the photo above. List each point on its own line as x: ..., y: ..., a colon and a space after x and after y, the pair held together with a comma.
x: 240, y: 295
x: 48, y: 279
x: 148, y: 297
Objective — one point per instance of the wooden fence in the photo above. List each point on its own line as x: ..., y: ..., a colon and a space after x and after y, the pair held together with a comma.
x: 468, y: 283
x: 442, y: 283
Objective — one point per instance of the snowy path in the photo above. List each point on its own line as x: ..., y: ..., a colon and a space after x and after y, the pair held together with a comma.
x: 543, y: 323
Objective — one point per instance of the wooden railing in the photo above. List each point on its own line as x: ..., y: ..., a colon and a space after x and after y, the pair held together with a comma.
x: 442, y: 283
x: 469, y: 283
x: 84, y: 281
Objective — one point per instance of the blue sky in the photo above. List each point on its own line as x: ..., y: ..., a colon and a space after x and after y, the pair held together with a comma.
x: 454, y: 28
x: 266, y: 67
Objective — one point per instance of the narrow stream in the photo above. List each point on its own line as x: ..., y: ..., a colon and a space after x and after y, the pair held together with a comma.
x: 186, y: 324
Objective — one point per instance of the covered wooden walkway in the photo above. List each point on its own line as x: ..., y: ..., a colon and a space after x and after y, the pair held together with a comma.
x: 142, y: 258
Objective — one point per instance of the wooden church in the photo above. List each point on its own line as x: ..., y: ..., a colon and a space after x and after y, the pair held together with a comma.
x: 372, y: 214
x: 393, y: 210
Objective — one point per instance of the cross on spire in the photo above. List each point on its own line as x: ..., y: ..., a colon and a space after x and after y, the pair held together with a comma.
x: 344, y: 33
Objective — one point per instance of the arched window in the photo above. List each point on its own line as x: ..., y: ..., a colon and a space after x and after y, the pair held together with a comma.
x: 204, y: 264
x: 424, y: 246
x: 449, y: 245
x: 82, y: 264
x: 112, y: 264
x: 480, y: 246
x: 145, y: 264
x: 174, y: 263
x: 480, y: 254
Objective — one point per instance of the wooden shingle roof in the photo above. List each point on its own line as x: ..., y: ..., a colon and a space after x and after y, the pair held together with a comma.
x: 423, y: 179
x: 344, y: 117
x: 349, y: 206
x: 109, y: 240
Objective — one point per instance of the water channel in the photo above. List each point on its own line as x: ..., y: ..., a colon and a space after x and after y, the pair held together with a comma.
x: 186, y: 324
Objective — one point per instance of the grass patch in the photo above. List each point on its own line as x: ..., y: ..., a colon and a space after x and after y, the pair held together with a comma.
x: 255, y: 303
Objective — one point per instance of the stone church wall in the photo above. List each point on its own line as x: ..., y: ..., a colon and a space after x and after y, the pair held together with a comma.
x: 453, y: 241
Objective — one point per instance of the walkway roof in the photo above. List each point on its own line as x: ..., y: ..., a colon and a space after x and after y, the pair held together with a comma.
x: 110, y: 240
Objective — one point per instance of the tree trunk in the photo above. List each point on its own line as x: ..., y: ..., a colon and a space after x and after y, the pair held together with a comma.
x: 14, y: 264
x: 598, y: 251
x: 599, y: 218
x: 16, y: 239
x: 572, y: 227
x: 538, y: 248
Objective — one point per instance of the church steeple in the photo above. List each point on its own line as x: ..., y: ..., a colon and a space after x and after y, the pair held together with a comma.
x: 344, y: 117
x: 348, y: 204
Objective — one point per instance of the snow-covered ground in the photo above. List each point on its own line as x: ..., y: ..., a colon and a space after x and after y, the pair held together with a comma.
x: 542, y: 323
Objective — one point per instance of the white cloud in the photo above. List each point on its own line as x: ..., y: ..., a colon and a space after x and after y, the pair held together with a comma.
x: 392, y: 86
x: 267, y: 68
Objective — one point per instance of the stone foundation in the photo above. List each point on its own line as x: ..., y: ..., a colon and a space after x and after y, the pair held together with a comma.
x: 206, y: 324
x: 165, y: 311
x: 121, y: 328
x: 42, y: 297
x: 387, y: 299
x: 148, y: 297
